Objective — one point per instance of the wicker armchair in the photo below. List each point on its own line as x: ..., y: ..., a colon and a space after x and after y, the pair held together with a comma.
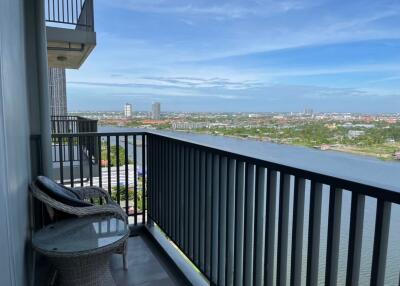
x: 86, y: 195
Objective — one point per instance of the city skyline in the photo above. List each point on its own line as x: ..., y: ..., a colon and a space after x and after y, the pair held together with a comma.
x: 241, y: 56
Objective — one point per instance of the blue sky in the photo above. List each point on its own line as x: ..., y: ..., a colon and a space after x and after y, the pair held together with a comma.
x: 242, y: 55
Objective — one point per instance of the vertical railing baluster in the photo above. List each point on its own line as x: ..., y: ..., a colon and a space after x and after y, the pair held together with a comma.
x: 71, y: 160
x: 181, y: 195
x: 153, y: 175
x: 90, y: 153
x: 143, y: 179
x: 171, y: 187
x: 197, y: 205
x: 355, y: 239
x: 186, y: 200
x: 65, y: 149
x: 54, y: 13
x: 283, y: 229
x: 175, y: 155
x: 214, y: 217
x: 72, y: 11
x: 202, y: 232
x: 58, y: 10
x: 61, y: 157
x: 272, y: 177
x: 48, y: 12
x: 159, y: 179
x: 333, y: 240
x: 80, y: 146
x: 166, y: 182
x: 381, y: 239
x: 126, y: 176
x: 174, y: 159
x: 155, y: 178
x: 208, y: 225
x: 150, y: 188
x: 109, y: 164
x: 314, y: 228
x: 297, y: 231
x: 99, y: 149
x: 248, y: 250
x: 239, y: 223
x: 191, y: 202
x: 117, y: 163
x: 163, y: 182
x: 259, y: 231
x: 222, y: 206
x: 230, y: 222
x: 77, y: 12
x: 135, y: 181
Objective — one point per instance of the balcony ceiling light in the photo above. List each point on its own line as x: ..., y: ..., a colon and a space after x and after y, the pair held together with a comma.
x: 61, y: 58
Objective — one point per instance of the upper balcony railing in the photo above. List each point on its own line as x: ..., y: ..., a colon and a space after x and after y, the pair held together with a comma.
x: 82, y: 150
x: 72, y: 14
x: 72, y: 124
x: 246, y: 221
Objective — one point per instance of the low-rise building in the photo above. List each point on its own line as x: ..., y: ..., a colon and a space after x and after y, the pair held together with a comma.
x: 355, y: 133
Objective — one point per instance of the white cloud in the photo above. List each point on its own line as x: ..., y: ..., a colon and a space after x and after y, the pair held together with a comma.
x: 225, y: 9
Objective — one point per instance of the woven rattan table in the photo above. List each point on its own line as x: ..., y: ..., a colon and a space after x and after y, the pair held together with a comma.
x: 80, y: 248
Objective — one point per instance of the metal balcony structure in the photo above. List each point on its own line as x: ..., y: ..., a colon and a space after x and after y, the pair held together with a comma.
x: 70, y: 32
x: 240, y: 220
x: 76, y: 154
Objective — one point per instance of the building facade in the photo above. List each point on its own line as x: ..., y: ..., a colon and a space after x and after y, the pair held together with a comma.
x: 128, y: 111
x: 156, y: 111
x: 57, y: 91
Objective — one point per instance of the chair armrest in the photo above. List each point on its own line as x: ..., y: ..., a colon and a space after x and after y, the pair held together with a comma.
x: 111, y: 208
x: 92, y: 192
x: 108, y: 209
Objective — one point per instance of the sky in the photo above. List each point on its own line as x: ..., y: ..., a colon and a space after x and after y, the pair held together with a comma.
x: 242, y: 55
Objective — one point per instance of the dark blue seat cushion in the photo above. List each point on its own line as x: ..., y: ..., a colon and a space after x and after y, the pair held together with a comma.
x: 59, y: 192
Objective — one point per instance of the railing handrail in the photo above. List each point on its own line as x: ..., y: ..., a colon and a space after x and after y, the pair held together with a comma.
x: 72, y: 124
x: 71, y: 117
x: 372, y: 189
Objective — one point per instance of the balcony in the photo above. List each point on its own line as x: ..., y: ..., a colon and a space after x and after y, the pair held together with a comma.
x: 207, y: 214
x: 226, y: 218
x: 70, y: 32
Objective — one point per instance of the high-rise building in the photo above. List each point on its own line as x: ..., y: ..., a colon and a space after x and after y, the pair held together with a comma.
x: 308, y: 111
x: 156, y: 111
x: 57, y: 91
x: 128, y: 110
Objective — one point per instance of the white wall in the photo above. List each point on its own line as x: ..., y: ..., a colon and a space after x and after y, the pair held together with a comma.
x: 16, y: 93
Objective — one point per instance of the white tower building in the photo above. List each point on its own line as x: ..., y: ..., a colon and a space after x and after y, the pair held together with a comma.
x: 128, y: 110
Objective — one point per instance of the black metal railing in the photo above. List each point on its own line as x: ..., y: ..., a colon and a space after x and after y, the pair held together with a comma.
x: 77, y: 14
x: 72, y: 124
x: 82, y: 148
x: 242, y: 220
x: 120, y: 166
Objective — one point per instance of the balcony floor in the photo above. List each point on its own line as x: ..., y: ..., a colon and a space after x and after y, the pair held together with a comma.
x: 146, y: 266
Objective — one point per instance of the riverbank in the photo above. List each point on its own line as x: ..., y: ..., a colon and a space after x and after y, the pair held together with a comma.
x: 385, y: 152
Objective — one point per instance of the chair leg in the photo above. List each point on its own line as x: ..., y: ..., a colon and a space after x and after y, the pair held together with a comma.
x: 124, y: 256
